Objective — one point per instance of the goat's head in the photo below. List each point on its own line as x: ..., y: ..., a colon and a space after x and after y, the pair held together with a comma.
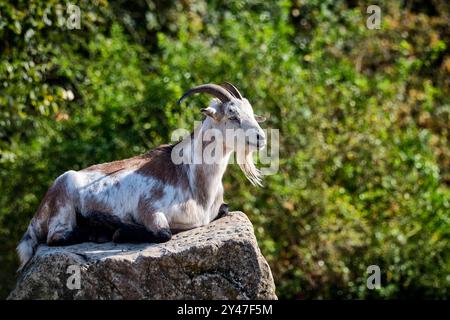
x: 232, y: 114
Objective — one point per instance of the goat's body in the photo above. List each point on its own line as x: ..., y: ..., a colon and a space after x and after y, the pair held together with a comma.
x: 149, y: 195
x: 146, y: 190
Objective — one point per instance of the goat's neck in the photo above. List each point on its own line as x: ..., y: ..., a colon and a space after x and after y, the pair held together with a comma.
x: 206, y: 178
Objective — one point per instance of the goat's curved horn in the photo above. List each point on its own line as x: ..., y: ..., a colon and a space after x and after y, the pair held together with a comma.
x: 232, y: 89
x: 212, y: 89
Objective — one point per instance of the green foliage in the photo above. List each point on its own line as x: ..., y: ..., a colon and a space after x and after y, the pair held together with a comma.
x: 363, y: 116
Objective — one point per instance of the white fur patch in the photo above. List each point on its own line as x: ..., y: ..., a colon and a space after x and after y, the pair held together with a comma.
x: 122, y: 192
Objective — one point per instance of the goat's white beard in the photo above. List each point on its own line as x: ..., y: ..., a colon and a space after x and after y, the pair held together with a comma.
x: 251, y: 172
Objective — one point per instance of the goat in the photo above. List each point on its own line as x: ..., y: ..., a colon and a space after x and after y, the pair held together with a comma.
x: 147, y: 192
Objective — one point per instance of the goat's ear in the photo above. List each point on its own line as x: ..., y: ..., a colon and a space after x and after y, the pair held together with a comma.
x: 210, y: 112
x: 260, y: 118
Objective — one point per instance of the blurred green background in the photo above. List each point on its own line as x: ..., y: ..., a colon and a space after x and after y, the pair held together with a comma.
x: 364, y: 119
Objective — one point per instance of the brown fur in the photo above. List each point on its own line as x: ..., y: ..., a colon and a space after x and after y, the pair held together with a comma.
x: 202, y: 192
x: 116, y: 166
x: 92, y: 204
x: 145, y: 206
x: 156, y: 163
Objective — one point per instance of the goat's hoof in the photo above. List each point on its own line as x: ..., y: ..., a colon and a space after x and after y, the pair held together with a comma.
x: 163, y: 235
x: 223, y: 210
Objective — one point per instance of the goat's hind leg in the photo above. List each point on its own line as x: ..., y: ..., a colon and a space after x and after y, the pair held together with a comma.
x: 67, y: 238
x: 63, y: 230
x: 66, y: 228
x: 62, y: 223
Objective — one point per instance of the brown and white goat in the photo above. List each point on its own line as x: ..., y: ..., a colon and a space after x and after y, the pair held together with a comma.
x: 149, y: 190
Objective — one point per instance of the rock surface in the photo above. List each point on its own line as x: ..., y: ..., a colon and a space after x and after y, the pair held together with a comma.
x: 219, y: 261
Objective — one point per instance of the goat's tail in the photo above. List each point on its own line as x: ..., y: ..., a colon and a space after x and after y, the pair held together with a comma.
x: 27, y: 246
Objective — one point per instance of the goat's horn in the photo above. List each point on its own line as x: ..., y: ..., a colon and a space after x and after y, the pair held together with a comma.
x: 212, y: 89
x: 232, y: 89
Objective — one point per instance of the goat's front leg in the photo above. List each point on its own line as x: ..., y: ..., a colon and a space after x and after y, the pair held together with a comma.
x: 157, y: 223
x: 155, y: 230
